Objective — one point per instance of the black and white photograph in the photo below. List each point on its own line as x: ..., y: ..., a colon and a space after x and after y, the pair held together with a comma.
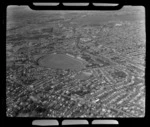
x: 75, y: 64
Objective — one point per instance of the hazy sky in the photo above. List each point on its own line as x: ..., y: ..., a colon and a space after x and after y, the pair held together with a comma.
x: 15, y: 7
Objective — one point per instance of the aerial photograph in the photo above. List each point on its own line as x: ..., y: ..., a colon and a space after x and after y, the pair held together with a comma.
x: 75, y: 63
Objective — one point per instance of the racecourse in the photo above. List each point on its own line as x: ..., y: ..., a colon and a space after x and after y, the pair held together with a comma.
x: 61, y: 61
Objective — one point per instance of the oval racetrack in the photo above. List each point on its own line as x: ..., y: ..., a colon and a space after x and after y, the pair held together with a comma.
x: 61, y: 61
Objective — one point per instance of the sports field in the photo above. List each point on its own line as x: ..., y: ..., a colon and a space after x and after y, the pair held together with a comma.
x: 61, y: 61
